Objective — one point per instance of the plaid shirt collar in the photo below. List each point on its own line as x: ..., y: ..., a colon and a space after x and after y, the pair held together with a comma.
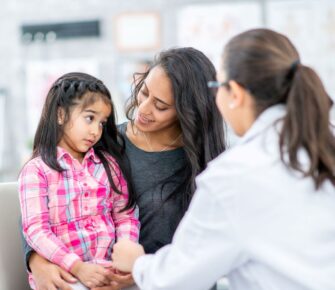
x: 90, y: 154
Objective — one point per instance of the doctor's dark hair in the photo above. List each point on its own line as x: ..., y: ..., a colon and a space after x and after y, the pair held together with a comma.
x: 66, y: 93
x: 201, y: 124
x: 268, y: 65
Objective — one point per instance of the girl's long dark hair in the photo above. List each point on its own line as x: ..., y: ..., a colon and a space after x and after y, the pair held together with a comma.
x: 268, y: 65
x: 67, y: 92
x: 202, y: 126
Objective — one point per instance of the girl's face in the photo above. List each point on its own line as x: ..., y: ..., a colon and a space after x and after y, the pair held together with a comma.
x: 156, y: 105
x: 84, y: 128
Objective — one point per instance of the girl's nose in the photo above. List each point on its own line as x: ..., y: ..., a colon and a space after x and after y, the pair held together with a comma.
x: 95, y: 130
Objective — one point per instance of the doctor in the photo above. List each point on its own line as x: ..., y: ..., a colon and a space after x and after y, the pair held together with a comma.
x: 264, y: 211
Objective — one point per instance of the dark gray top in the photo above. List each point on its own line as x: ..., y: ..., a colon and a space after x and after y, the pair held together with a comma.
x: 149, y: 173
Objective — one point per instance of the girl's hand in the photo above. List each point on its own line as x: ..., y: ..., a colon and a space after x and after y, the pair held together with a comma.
x: 123, y: 280
x: 118, y: 280
x: 125, y: 253
x: 48, y: 275
x: 91, y: 275
x: 112, y: 286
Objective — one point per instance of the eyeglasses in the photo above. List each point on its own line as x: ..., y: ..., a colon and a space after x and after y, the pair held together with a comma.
x: 216, y: 84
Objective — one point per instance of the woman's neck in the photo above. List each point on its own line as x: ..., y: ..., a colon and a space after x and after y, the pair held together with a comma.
x: 156, y: 141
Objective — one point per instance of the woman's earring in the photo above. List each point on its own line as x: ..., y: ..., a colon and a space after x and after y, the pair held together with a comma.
x: 232, y: 106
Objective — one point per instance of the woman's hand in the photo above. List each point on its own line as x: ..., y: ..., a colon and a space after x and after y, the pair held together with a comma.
x: 48, y: 276
x: 125, y: 253
x: 91, y: 275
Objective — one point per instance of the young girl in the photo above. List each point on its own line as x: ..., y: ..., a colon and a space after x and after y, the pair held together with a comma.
x: 263, y: 213
x: 74, y: 197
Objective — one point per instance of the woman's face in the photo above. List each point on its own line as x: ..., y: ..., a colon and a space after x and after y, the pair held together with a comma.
x: 236, y: 104
x: 156, y: 105
x: 222, y: 96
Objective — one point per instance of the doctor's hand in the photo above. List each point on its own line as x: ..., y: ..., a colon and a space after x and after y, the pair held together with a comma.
x: 125, y: 253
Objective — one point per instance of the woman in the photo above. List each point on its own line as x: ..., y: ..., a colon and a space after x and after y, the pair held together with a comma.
x: 175, y: 129
x: 264, y: 211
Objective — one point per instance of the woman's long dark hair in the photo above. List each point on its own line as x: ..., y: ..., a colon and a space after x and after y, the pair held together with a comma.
x: 268, y: 65
x: 68, y: 91
x: 202, y: 126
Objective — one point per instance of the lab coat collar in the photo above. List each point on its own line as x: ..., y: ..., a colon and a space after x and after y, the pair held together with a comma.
x: 265, y: 120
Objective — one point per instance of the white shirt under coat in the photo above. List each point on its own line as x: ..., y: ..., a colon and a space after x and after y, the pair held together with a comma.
x: 252, y: 220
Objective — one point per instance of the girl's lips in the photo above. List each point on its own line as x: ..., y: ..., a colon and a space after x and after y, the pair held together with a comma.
x: 89, y: 142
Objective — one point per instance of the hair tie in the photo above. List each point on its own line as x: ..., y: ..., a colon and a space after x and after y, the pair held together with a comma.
x: 295, y: 64
x: 293, y: 69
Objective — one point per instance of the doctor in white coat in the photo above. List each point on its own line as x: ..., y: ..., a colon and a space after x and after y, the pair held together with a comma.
x: 264, y: 211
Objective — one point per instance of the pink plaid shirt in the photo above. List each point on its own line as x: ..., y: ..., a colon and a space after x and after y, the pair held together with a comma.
x: 74, y: 215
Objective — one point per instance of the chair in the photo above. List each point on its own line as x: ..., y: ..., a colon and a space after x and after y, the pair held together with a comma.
x: 13, y: 274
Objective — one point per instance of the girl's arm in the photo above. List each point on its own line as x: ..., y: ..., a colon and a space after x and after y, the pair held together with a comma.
x: 46, y: 274
x: 33, y: 189
x: 126, y: 222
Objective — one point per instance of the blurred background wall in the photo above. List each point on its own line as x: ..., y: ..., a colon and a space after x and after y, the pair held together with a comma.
x: 111, y: 39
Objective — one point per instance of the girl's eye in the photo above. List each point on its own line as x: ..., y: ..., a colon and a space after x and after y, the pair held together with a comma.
x: 89, y: 119
x: 103, y: 124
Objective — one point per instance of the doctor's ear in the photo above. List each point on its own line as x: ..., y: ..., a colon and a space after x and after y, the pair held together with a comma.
x: 238, y: 94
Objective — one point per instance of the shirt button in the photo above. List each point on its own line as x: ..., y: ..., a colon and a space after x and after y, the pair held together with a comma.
x: 85, y: 184
x: 86, y: 208
x: 81, y: 173
x: 86, y: 194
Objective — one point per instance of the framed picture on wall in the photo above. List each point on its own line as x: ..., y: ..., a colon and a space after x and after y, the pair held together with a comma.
x: 208, y: 27
x: 137, y: 31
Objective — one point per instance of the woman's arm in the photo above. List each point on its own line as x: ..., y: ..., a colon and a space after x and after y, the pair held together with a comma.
x: 28, y: 251
x: 48, y: 275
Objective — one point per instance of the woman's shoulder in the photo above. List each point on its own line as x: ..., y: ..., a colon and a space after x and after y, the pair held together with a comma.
x: 122, y: 128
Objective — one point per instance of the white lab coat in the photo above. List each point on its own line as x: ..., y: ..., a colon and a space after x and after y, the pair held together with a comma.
x: 253, y: 220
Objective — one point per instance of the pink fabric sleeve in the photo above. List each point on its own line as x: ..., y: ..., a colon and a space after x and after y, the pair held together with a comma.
x: 33, y: 192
